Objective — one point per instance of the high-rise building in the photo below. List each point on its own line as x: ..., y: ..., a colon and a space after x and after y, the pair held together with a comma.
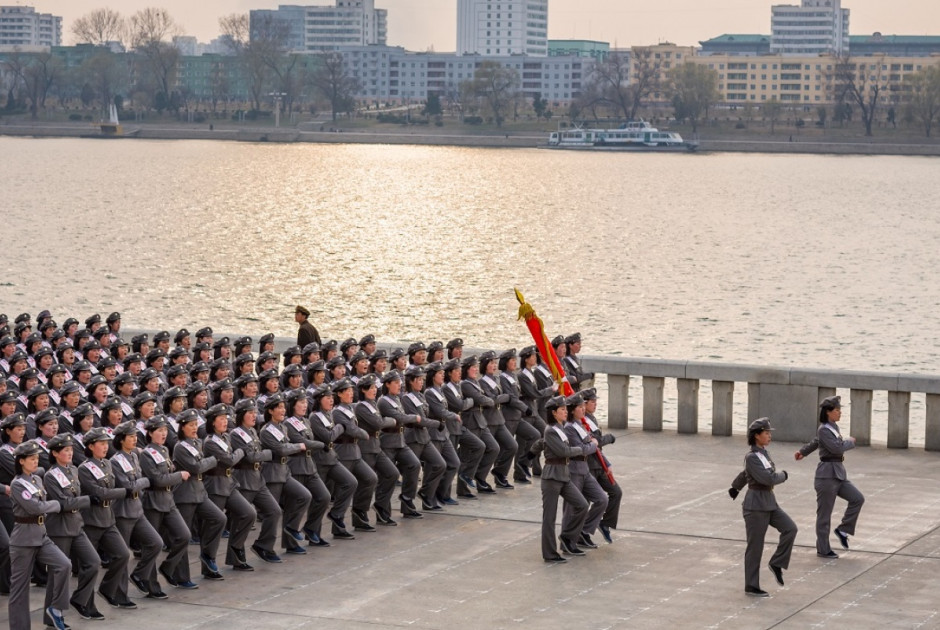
x: 22, y: 26
x: 815, y: 27
x: 502, y: 27
x: 323, y: 28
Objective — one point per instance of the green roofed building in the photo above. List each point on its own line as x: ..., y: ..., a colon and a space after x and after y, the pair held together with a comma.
x: 859, y: 45
x: 578, y: 48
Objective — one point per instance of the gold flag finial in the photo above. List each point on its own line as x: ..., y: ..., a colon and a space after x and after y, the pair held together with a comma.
x: 525, y: 310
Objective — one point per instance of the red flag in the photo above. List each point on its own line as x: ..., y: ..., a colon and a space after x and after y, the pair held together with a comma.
x: 547, y: 352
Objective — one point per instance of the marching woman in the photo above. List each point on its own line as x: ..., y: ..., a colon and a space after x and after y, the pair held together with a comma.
x: 612, y: 488
x: 475, y: 421
x: 347, y: 450
x: 65, y: 528
x: 514, y: 411
x: 761, y: 510
x: 495, y: 421
x: 247, y: 474
x: 580, y: 471
x: 131, y: 522
x: 440, y: 437
x: 470, y: 449
x: 393, y: 443
x: 293, y: 498
x: 340, y: 479
x: 223, y: 488
x: 556, y: 482
x: 831, y: 480
x: 369, y: 419
x: 97, y: 481
x: 30, y: 545
x: 159, y: 506
x: 192, y: 499
x: 418, y: 438
x: 304, y: 469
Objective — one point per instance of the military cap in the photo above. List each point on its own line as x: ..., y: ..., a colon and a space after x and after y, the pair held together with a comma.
x: 216, y: 410
x: 44, y: 314
x: 335, y: 362
x: 370, y: 338
x: 13, y: 420
x: 486, y: 357
x: 416, y: 347
x: 95, y: 381
x: 155, y: 354
x: 124, y: 429
x: 390, y: 376
x: 124, y: 377
x: 94, y: 344
x: 244, y: 340
x: 557, y: 341
x: 46, y: 415
x: 527, y: 352
x: 58, y: 333
x: 195, y: 387
x: 244, y: 379
x: 181, y: 334
x: 274, y: 400
x: 397, y: 353
x: 508, y: 354
x: 303, y: 311
x: 329, y: 344
x: 761, y: 424
x: 37, y: 390
x: 468, y: 361
x: 91, y: 320
x: 198, y: 367
x: 96, y: 434
x: 451, y: 365
x: 311, y: 347
x: 378, y: 354
x: 112, y: 402
x: 220, y: 362
x: 574, y: 400
x: 221, y: 342
x: 293, y: 369
x: 433, y: 368
x: 174, y: 392
x: 832, y: 402
x: 56, y: 368
x: 321, y: 391
x: 176, y: 370
x: 176, y: 352
x: 268, y: 338
x: 225, y: 383
x: 107, y: 362
x: 434, y: 346
x: 101, y: 332
x: 574, y: 338
x: 141, y: 338
x: 68, y: 388
x: 244, y: 405
x: 348, y: 343
x: 69, y: 322
x: 133, y: 357
x: 187, y: 416
x: 341, y: 384
x: 81, y: 366
x: 47, y: 324
x: 117, y: 343
x: 357, y: 357
x: 19, y: 328
x: 113, y: 317
x: 60, y: 441
x: 589, y: 394
x: 267, y: 375
x: 146, y: 375
x: 21, y: 318
x: 27, y: 449
x: 205, y: 331
x: 266, y: 356
x: 81, y: 410
x: 414, y: 371
x: 143, y: 397
x: 10, y: 394
x: 317, y: 366
x: 456, y: 342
x: 3, y: 318
x: 293, y: 395
x: 367, y: 381
x: 199, y: 347
x: 293, y: 351
x: 7, y: 340
x: 163, y: 335
x: 155, y: 423
x: 555, y: 402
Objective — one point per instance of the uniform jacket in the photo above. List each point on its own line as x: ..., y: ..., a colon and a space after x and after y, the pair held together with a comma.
x: 473, y: 417
x: 298, y: 431
x: 220, y: 480
x: 831, y: 445
x: 347, y: 447
x: 274, y: 439
x: 29, y: 500
x: 557, y: 447
x: 188, y: 456
x: 372, y: 422
x: 326, y: 431
x: 97, y: 481
x: 390, y: 407
x: 577, y: 436
x: 760, y: 470
x: 61, y: 484
x: 603, y: 439
x: 457, y: 404
x: 248, y: 470
x: 414, y: 403
x: 157, y: 465
x: 514, y: 408
x: 128, y: 475
x: 307, y: 334
x: 437, y: 410
x: 491, y: 389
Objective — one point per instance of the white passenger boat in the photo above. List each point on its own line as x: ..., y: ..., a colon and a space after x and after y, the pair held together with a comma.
x: 632, y: 136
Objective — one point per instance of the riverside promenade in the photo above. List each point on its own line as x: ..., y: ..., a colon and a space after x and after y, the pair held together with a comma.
x: 676, y: 561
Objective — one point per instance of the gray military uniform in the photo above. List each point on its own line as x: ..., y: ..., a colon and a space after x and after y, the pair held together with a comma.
x: 223, y: 490
x: 470, y: 448
x: 160, y: 507
x: 251, y: 484
x: 304, y: 469
x: 349, y: 454
x: 97, y: 481
x: 515, y: 411
x: 583, y: 480
x: 475, y: 421
x: 496, y: 423
x: 441, y: 438
x: 556, y: 482
x: 760, y: 511
x: 131, y: 521
x: 370, y: 421
x: 343, y: 482
x: 418, y: 439
x: 66, y: 529
x: 293, y: 498
x: 393, y: 443
x: 192, y: 498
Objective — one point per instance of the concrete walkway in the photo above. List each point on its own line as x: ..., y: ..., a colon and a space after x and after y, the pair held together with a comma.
x: 676, y: 561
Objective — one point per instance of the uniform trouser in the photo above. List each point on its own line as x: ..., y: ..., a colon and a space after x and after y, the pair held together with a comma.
x: 408, y: 467
x: 756, y: 524
x: 139, y: 533
x: 490, y: 452
x: 432, y: 470
x: 240, y: 516
x: 451, y: 463
x: 211, y: 524
x: 319, y: 502
x: 592, y: 491
x: 470, y: 450
x: 270, y: 513
x: 365, y: 490
x: 6, y: 519
x: 85, y: 558
x: 342, y: 485
x: 614, y: 497
x: 108, y: 541
x: 22, y: 560
x: 826, y: 492
x: 294, y: 499
x: 551, y: 490
x: 386, y: 475
x: 526, y: 435
x: 539, y: 423
x: 175, y: 533
x: 507, y: 448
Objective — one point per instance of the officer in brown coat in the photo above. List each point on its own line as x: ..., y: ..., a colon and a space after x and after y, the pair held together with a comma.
x: 307, y: 333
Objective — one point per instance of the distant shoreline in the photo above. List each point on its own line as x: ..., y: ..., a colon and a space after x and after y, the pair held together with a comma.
x: 510, y: 139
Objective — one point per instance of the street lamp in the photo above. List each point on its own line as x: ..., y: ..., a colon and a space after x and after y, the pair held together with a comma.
x: 278, y: 96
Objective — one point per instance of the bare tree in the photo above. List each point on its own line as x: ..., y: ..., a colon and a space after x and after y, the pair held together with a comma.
x: 332, y: 79
x: 694, y: 89
x: 100, y: 27
x: 35, y: 74
x: 151, y: 32
x: 610, y: 84
x: 922, y: 97
x: 497, y: 86
x: 860, y: 82
x: 771, y: 109
x: 105, y: 73
x: 261, y: 49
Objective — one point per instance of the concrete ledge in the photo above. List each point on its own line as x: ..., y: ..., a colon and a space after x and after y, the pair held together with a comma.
x: 843, y: 378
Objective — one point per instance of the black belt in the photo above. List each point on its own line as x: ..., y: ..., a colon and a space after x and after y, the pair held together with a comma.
x: 220, y: 472
x: 249, y: 466
x: 30, y: 520
x: 346, y: 439
x: 556, y: 461
x: 758, y: 486
x: 579, y: 458
x: 840, y: 458
x: 394, y: 430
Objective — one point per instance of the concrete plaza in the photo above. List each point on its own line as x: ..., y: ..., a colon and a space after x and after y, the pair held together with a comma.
x: 676, y: 561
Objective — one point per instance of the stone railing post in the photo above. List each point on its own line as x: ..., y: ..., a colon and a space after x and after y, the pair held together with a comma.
x: 653, y: 403
x: 932, y: 430
x: 688, y: 405
x: 861, y: 416
x: 722, y: 405
x: 899, y: 416
x: 618, y: 387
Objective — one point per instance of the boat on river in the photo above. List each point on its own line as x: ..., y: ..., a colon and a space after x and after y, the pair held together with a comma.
x: 112, y: 127
x: 631, y: 136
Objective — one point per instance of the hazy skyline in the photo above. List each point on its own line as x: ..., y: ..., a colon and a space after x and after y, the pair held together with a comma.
x: 422, y: 24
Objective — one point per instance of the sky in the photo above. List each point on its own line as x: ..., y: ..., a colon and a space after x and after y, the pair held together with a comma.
x: 420, y: 25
